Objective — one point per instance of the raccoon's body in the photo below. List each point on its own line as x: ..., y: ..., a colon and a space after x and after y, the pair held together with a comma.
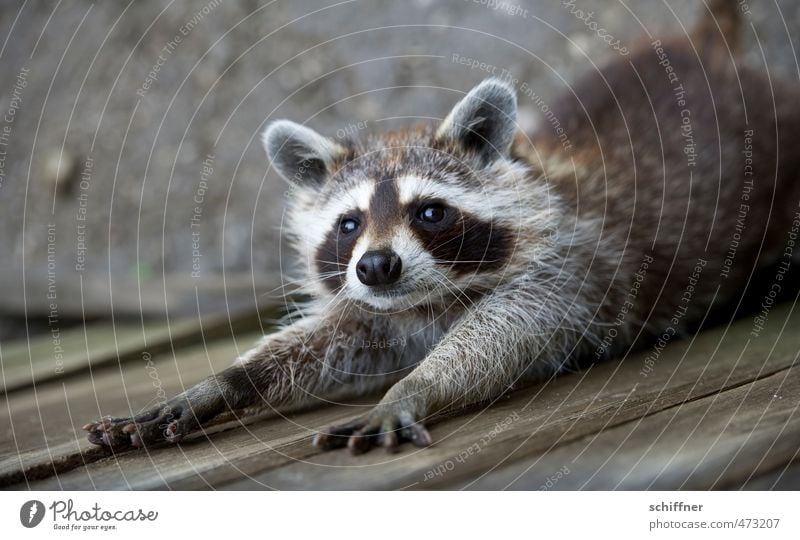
x: 451, y: 262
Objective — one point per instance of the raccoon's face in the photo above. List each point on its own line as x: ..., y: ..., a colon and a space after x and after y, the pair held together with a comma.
x: 408, y: 218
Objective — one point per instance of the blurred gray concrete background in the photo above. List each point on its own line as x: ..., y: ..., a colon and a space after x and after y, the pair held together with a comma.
x: 131, y: 172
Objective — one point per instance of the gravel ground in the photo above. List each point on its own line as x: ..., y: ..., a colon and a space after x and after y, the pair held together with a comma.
x: 108, y: 170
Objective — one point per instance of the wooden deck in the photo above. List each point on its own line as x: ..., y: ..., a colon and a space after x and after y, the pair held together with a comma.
x: 718, y: 411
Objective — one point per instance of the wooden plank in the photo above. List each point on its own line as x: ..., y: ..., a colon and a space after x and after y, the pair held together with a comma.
x: 716, y: 442
x: 534, y: 421
x: 43, y: 424
x: 203, y: 462
x: 23, y: 363
x: 785, y: 477
x: 90, y: 295
x: 275, y: 453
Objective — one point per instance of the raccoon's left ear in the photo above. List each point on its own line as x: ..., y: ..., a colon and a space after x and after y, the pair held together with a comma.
x: 300, y: 154
x: 484, y: 121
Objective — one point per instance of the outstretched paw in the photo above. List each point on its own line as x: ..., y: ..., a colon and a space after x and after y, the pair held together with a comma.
x: 169, y: 422
x: 384, y: 428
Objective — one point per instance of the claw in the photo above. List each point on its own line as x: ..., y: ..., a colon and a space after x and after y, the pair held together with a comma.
x: 321, y: 440
x: 386, y: 430
x: 136, y: 441
x: 388, y: 436
x: 358, y: 444
x: 170, y: 433
x: 327, y: 441
x: 421, y: 437
x: 95, y: 437
x: 390, y: 442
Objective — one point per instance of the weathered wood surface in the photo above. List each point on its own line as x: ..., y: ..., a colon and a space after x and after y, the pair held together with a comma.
x: 783, y: 478
x: 715, y: 442
x: 719, y: 410
x: 107, y: 369
x: 98, y: 294
x: 58, y: 355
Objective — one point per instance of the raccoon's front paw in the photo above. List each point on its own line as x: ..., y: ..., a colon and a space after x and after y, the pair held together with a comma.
x: 384, y: 426
x: 168, y: 422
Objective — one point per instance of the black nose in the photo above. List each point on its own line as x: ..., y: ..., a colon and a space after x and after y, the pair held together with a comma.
x: 379, y: 268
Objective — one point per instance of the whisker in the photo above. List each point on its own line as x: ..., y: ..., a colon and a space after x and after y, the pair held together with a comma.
x: 457, y: 294
x: 301, y: 283
x: 482, y: 261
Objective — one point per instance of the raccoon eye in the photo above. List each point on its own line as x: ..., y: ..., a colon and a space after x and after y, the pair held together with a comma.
x: 348, y: 225
x: 432, y: 213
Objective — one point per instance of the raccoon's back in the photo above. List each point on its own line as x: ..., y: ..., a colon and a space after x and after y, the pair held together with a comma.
x: 667, y: 146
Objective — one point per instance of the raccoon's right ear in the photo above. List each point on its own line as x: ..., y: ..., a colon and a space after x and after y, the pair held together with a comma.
x: 484, y: 121
x: 300, y: 154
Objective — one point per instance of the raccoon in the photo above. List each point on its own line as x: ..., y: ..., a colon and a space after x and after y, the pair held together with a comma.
x: 449, y: 263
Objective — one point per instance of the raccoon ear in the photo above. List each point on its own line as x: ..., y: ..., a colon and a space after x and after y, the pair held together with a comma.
x: 484, y: 121
x: 300, y: 154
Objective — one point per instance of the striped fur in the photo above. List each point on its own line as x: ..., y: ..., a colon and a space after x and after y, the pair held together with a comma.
x: 542, y: 260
